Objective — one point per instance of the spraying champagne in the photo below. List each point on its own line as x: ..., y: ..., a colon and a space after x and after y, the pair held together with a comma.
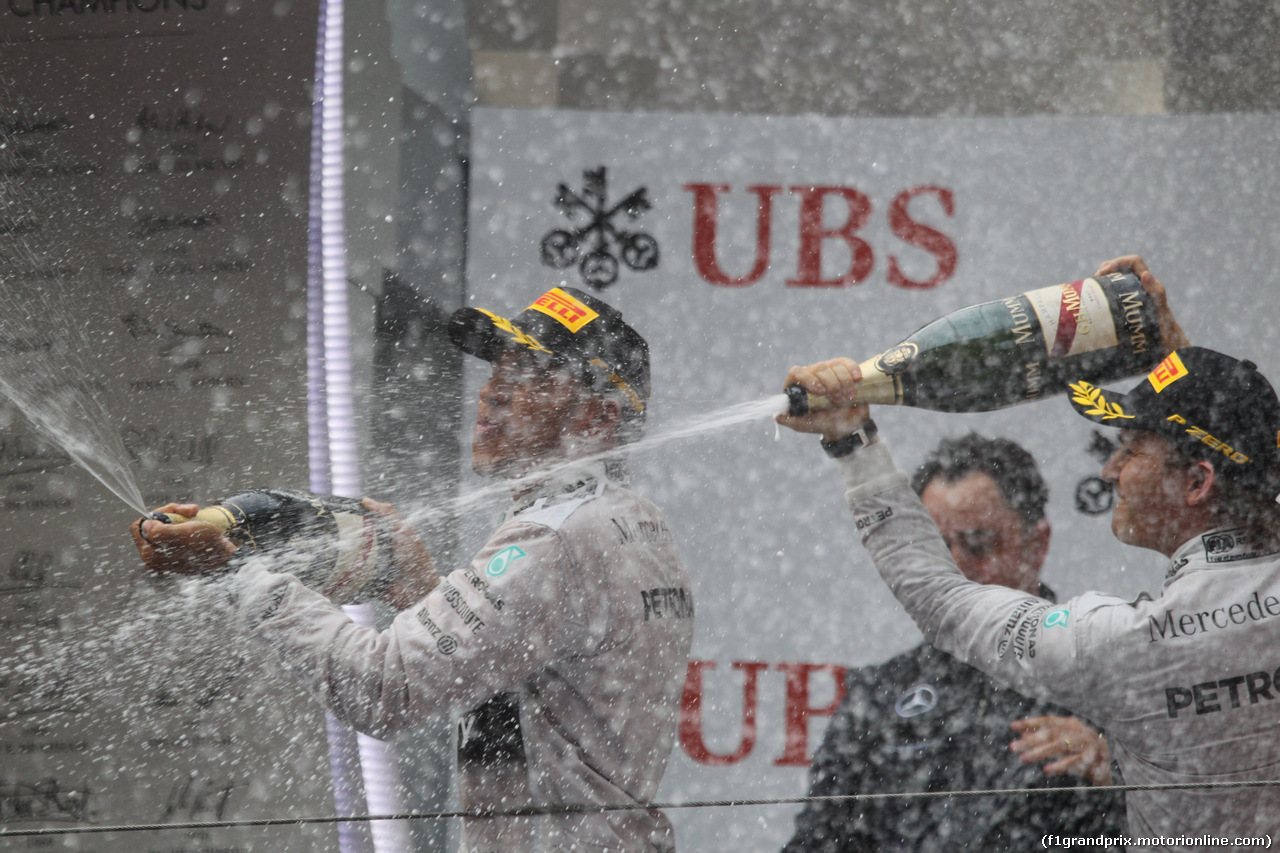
x: 334, y: 545
x: 1009, y: 351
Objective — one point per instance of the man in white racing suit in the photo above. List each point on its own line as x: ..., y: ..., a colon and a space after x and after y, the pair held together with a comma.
x: 1187, y: 686
x: 563, y: 644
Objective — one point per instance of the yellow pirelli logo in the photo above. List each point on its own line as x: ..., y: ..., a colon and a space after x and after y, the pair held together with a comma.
x: 1167, y: 372
x: 566, y: 310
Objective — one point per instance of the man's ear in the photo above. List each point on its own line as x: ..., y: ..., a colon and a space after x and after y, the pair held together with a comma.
x: 1201, y: 479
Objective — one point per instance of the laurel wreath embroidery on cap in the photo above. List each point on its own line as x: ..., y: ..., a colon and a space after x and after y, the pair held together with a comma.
x: 522, y: 338
x: 1085, y: 394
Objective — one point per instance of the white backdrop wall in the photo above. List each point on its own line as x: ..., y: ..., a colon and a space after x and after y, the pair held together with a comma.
x: 966, y: 210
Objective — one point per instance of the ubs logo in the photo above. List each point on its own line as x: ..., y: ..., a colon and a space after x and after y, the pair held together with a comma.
x: 916, y: 701
x: 602, y: 238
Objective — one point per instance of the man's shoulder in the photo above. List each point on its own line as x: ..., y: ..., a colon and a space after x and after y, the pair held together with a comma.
x: 890, y: 676
x: 606, y: 504
x: 555, y: 510
x: 924, y: 666
x: 917, y: 658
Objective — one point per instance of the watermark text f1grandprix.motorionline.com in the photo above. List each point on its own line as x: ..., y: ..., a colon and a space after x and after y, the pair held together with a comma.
x: 1050, y: 841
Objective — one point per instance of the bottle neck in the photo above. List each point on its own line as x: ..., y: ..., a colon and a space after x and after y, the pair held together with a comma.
x: 875, y: 388
x: 217, y: 515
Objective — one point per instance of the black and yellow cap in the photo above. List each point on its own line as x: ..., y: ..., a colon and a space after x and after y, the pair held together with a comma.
x: 1209, y: 405
x: 568, y: 326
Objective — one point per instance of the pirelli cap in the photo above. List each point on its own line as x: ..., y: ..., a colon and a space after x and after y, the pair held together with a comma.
x: 1209, y: 405
x: 568, y: 326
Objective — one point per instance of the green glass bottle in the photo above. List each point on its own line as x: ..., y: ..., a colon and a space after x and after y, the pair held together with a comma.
x: 332, y: 544
x: 1009, y: 351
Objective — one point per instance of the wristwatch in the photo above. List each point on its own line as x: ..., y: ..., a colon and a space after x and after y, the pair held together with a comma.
x: 851, y: 442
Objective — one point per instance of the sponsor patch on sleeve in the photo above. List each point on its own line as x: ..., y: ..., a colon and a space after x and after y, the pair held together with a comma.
x: 1022, y: 629
x: 1056, y: 618
x: 502, y: 561
x: 873, y: 519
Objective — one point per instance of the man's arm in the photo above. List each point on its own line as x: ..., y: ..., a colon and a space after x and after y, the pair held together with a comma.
x: 1025, y: 642
x: 993, y: 628
x: 194, y: 548
x: 1010, y: 635
x: 470, y: 637
x: 481, y: 631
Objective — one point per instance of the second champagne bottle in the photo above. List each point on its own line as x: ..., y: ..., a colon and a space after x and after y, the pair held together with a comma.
x: 1008, y: 351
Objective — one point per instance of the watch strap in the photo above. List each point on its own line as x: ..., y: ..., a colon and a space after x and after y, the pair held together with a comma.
x: 851, y: 442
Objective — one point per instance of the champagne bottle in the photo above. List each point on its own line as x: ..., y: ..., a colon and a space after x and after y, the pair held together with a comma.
x: 332, y: 544
x: 1009, y: 351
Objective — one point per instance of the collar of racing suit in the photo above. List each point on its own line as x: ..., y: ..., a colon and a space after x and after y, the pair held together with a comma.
x: 584, y: 476
x: 1215, y: 548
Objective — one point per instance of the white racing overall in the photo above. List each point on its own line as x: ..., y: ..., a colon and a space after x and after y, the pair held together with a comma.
x: 1186, y: 687
x: 563, y: 645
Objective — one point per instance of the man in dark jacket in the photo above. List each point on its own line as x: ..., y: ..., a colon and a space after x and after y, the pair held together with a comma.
x: 923, y: 721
